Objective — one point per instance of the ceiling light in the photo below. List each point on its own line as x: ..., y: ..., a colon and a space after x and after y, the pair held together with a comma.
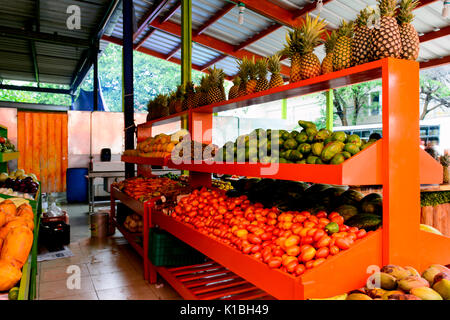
x: 241, y: 13
x: 319, y: 5
x: 446, y: 9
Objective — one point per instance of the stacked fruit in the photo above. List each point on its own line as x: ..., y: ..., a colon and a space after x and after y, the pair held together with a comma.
x: 290, y: 241
x: 159, y: 146
x: 134, y: 223
x: 6, y: 145
x: 143, y: 189
x: 16, y: 240
x: 193, y: 150
x: 403, y: 283
x: 222, y: 185
x: 19, y: 184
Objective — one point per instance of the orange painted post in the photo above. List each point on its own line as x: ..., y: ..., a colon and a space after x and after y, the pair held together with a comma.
x: 200, y: 128
x: 400, y: 158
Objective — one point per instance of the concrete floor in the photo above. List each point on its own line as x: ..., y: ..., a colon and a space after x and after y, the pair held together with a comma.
x: 108, y: 270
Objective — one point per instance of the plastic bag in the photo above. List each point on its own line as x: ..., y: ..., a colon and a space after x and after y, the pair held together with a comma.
x: 54, y: 211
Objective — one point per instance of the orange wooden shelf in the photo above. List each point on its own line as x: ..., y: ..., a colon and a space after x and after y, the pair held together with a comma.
x: 324, y: 281
x: 362, y: 169
x: 135, y: 205
x: 434, y: 248
x: 130, y: 236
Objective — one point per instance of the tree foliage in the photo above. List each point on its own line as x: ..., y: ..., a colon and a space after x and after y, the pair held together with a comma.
x: 434, y: 90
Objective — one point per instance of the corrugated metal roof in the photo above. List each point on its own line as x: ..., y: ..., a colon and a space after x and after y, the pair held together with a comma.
x: 57, y: 63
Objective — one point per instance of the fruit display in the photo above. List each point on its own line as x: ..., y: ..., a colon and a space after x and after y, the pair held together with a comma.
x: 290, y: 241
x: 16, y: 240
x: 143, y: 189
x: 222, y: 185
x: 6, y: 145
x: 134, y: 223
x: 356, y: 209
x: 193, y: 150
x: 274, y: 66
x: 403, y: 283
x: 362, y: 39
x: 386, y: 39
x: 159, y: 146
x: 310, y: 146
x: 342, y: 52
x: 19, y: 184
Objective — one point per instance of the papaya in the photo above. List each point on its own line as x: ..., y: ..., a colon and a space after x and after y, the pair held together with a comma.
x: 331, y: 149
x: 317, y: 148
x: 304, y: 148
x: 365, y: 221
x: 337, y: 159
x: 303, y: 161
x: 295, y: 155
x: 354, y: 138
x: 294, y: 134
x: 306, y: 124
x: 311, y: 159
x: 290, y: 144
x: 352, y: 148
x: 346, y: 154
x: 339, y: 136
x: 368, y: 144
x: 347, y: 211
x: 17, y: 246
x: 322, y: 134
x: 327, y: 141
x: 319, y: 161
x: 311, y: 132
x: 301, y: 138
x: 372, y: 203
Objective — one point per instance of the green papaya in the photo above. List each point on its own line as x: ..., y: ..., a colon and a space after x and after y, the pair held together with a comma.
x: 346, y: 154
x: 295, y: 155
x: 306, y: 124
x: 354, y: 138
x: 303, y: 161
x: 294, y: 134
x: 327, y: 141
x: 366, y: 221
x: 339, y: 136
x: 304, y: 148
x: 331, y: 149
x: 311, y: 159
x: 287, y: 154
x: 322, y: 135
x: 317, y: 148
x: 290, y: 144
x: 284, y: 134
x: 319, y: 161
x: 310, y: 139
x: 368, y: 144
x: 337, y: 159
x: 283, y: 160
x: 301, y: 137
x: 372, y: 203
x: 347, y: 211
x: 311, y: 131
x: 352, y: 148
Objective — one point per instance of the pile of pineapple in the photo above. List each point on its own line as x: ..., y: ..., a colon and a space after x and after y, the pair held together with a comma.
x: 354, y: 43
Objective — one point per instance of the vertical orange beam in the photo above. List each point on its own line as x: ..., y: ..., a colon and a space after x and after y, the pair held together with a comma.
x: 51, y: 152
x: 401, y: 185
x: 58, y: 149
x: 36, y: 133
x: 64, y: 152
x: 200, y: 127
x: 43, y: 155
x: 28, y: 152
x: 21, y: 138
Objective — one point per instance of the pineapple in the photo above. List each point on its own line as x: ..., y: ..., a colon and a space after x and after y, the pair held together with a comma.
x: 408, y: 34
x: 327, y: 63
x: 203, y: 91
x: 215, y: 93
x: 262, y: 83
x: 150, y: 109
x: 234, y: 90
x: 171, y: 102
x: 342, y: 53
x: 274, y: 65
x: 362, y: 45
x: 163, y: 103
x: 386, y: 39
x: 252, y: 70
x: 300, y: 46
x: 190, y: 98
x: 179, y: 97
x: 243, y: 75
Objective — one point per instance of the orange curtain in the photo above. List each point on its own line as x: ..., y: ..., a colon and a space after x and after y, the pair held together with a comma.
x: 42, y: 142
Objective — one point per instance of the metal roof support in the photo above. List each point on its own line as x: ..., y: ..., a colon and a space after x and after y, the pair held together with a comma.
x: 149, y: 16
x: 173, y: 52
x: 34, y: 89
x: 127, y: 82
x: 170, y: 12
x: 96, y: 90
x: 219, y: 14
x: 144, y: 38
x: 435, y: 62
x: 435, y: 34
x: 258, y: 36
x: 186, y: 41
x: 35, y: 63
x: 213, y: 61
x: 425, y: 3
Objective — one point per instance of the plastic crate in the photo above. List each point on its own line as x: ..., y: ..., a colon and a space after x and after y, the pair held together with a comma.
x: 167, y: 250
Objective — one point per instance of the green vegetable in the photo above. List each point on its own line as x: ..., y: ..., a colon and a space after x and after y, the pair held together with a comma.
x: 434, y: 198
x: 332, y: 227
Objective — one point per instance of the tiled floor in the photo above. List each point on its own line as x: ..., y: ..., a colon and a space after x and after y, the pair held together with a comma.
x: 105, y: 270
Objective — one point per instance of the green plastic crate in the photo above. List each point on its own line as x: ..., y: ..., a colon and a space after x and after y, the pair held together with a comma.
x: 167, y: 250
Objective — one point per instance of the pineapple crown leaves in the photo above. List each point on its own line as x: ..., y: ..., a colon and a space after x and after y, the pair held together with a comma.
x: 189, y: 87
x: 204, y: 83
x: 237, y: 81
x: 248, y: 69
x: 216, y: 76
x: 273, y: 64
x: 161, y: 100
x: 303, y: 39
x: 363, y: 17
x: 331, y: 41
x: 345, y: 29
x: 445, y: 160
x: 181, y: 91
x: 261, y: 67
x: 405, y: 14
x: 387, y: 7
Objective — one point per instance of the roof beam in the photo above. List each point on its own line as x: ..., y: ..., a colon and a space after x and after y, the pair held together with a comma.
x: 170, y: 12
x: 34, y: 89
x: 213, y: 61
x: 144, y: 38
x: 43, y: 37
x: 435, y: 62
x: 425, y: 3
x: 308, y: 8
x: 435, y: 34
x: 173, y: 52
x: 149, y: 16
x: 35, y: 63
x: 258, y: 36
x: 219, y: 14
x: 211, y: 42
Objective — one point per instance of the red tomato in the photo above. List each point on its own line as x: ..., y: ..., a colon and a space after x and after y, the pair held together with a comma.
x: 309, y: 264
x: 307, y: 240
x: 322, y: 252
x: 291, y: 267
x: 323, y: 242
x: 256, y: 248
x: 307, y: 254
x: 342, y: 243
x: 305, y: 246
x: 321, y: 214
x: 361, y: 234
x: 311, y: 232
x: 252, y: 238
x: 293, y: 251
x: 275, y: 262
x: 288, y: 259
x: 333, y: 214
x: 319, y: 234
x: 318, y: 262
x: 309, y: 224
x: 300, y: 269
x: 292, y: 241
x: 338, y: 219
x: 266, y: 236
x: 278, y: 252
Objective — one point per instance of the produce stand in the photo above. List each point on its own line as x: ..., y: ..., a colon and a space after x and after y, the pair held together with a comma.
x: 398, y: 242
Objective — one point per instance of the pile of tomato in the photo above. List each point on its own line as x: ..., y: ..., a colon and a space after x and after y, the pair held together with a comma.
x: 290, y: 241
x: 142, y: 189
